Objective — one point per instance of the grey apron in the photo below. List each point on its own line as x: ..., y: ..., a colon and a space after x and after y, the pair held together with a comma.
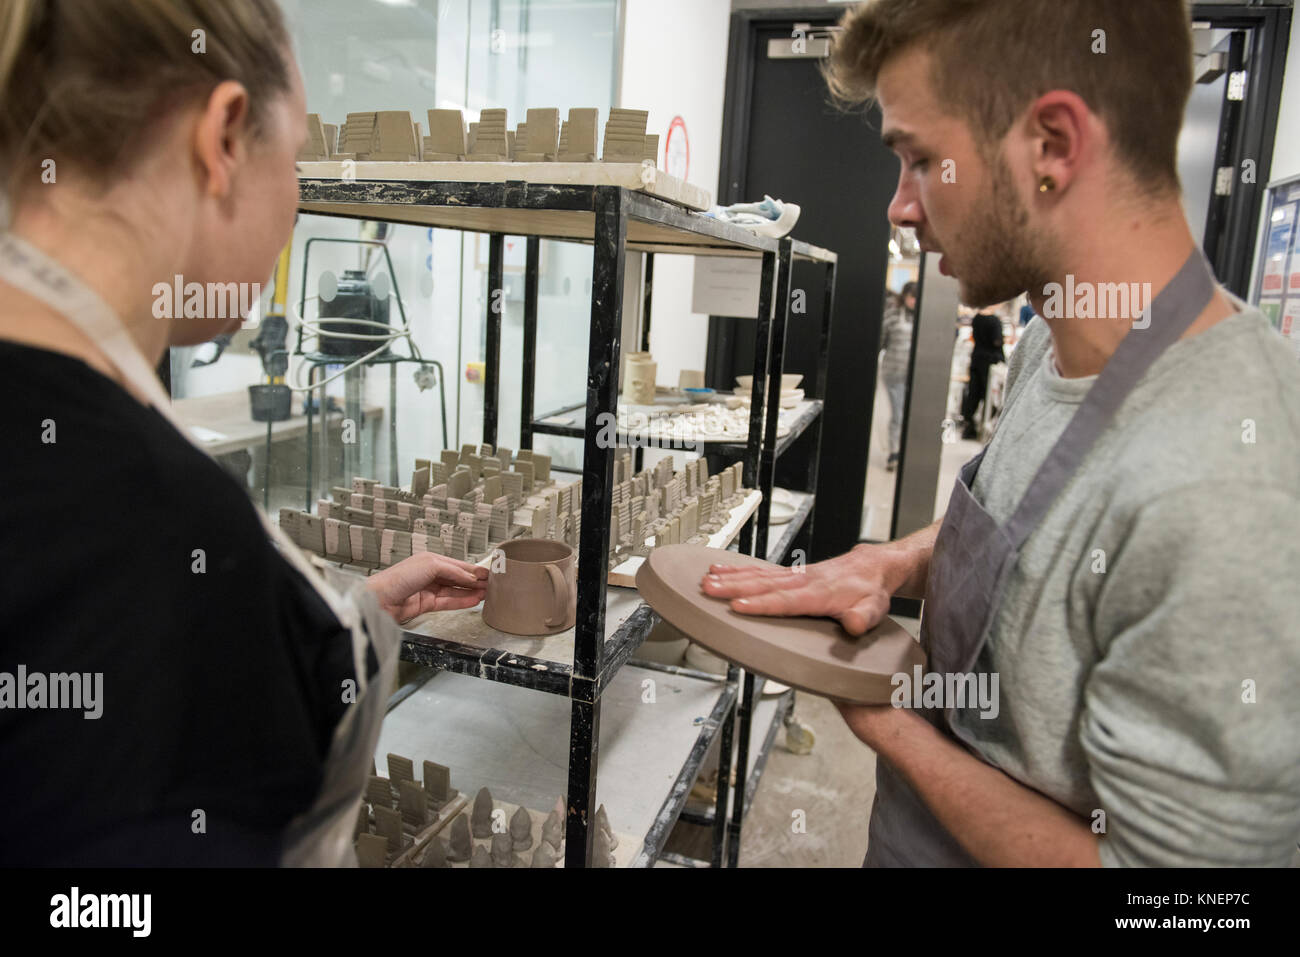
x: 974, y: 555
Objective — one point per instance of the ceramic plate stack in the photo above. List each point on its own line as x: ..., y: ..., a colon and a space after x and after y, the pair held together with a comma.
x: 791, y: 394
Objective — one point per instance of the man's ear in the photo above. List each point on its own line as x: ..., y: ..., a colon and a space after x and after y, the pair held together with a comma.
x: 1062, y: 132
x: 221, y: 136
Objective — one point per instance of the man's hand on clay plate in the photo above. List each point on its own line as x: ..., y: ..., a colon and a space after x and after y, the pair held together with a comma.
x: 850, y: 588
x: 428, y: 582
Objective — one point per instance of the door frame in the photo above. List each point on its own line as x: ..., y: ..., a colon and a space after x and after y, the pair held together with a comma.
x: 1237, y: 225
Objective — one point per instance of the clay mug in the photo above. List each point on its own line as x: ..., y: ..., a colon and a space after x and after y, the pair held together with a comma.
x: 532, y: 587
x: 625, y: 359
x: 641, y: 374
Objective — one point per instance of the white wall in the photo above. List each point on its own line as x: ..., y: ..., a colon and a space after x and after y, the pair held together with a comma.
x: 674, y: 63
x: 1286, y: 153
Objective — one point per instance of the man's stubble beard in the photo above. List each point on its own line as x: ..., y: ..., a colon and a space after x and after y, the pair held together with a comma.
x: 1007, y: 256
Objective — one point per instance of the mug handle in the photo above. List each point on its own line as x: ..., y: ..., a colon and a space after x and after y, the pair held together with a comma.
x: 561, y: 588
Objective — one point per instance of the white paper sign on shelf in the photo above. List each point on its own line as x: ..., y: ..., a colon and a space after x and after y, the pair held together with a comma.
x: 726, y: 286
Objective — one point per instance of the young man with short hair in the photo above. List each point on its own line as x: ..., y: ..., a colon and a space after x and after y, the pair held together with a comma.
x: 1124, y: 553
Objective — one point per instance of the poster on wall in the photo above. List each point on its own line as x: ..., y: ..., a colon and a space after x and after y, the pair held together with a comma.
x: 1277, y: 249
x: 1277, y: 290
x: 1290, y: 323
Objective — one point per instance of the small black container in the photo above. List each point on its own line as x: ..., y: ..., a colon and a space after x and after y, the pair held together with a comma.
x: 355, y: 299
x: 270, y: 403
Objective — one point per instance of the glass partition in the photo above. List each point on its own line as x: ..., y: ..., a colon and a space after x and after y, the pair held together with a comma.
x: 365, y: 55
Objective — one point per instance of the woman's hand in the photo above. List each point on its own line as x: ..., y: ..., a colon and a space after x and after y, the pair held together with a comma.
x: 854, y: 588
x: 427, y: 582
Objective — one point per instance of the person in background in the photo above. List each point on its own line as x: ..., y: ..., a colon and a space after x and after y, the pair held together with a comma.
x: 896, y: 348
x: 986, y: 332
x: 1026, y: 313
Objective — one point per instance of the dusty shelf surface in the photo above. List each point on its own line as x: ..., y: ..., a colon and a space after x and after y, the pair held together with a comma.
x: 636, y: 176
x: 468, y: 628
x: 516, y: 742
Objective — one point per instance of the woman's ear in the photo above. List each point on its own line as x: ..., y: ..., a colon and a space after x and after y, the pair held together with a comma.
x: 221, y: 137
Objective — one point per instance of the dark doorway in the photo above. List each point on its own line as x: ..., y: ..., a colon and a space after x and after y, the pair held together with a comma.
x: 782, y: 137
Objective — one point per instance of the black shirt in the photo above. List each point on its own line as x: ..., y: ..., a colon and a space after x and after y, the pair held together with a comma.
x: 130, y: 552
x: 986, y: 334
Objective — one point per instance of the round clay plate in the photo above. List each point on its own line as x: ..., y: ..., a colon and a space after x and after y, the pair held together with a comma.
x: 812, y: 654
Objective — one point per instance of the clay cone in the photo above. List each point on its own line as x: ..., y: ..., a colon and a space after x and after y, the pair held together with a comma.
x: 521, y: 830
x: 501, y: 848
x: 436, y: 855
x: 553, y: 830
x: 602, y: 824
x: 462, y: 845
x: 544, y: 856
x: 481, y: 820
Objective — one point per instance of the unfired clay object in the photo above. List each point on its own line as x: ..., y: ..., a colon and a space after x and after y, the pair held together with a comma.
x: 602, y: 824
x: 480, y: 858
x: 578, y: 136
x: 553, y: 829
x: 602, y: 849
x: 625, y: 136
x: 446, y: 140
x: 640, y: 385
x: 521, y: 830
x: 490, y: 141
x: 543, y: 135
x: 812, y: 654
x: 502, y: 849
x: 532, y: 589
x: 462, y: 843
x: 481, y: 819
x: 316, y: 147
x: 436, y: 854
x: 372, y: 850
x: 544, y: 856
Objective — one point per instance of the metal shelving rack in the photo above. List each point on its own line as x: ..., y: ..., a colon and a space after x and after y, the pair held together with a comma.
x: 760, y: 467
x: 615, y: 220
x: 778, y: 551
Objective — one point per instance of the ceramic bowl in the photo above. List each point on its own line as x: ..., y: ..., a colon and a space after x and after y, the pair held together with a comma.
x: 789, y: 381
x: 781, y: 512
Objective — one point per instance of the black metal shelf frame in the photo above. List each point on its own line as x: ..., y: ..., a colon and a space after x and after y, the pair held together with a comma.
x: 595, y: 659
x: 746, y: 784
x: 759, y: 453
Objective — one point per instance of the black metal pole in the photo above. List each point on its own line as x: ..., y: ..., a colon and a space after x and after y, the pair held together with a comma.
x: 742, y: 769
x: 775, y: 367
x: 609, y: 253
x: 496, y: 304
x: 753, y: 478
x: 266, y: 468
x: 311, y: 382
x: 532, y: 264
x: 762, y: 338
x: 645, y: 306
x: 823, y: 372
x: 719, y: 848
x: 647, y: 294
x: 392, y: 427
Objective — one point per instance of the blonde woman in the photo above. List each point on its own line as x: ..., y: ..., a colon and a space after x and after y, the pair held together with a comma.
x: 176, y: 687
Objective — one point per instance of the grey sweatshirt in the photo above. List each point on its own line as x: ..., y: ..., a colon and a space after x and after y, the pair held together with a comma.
x: 1148, y: 643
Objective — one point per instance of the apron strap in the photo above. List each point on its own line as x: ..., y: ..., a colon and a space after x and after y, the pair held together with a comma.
x: 1167, y: 318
